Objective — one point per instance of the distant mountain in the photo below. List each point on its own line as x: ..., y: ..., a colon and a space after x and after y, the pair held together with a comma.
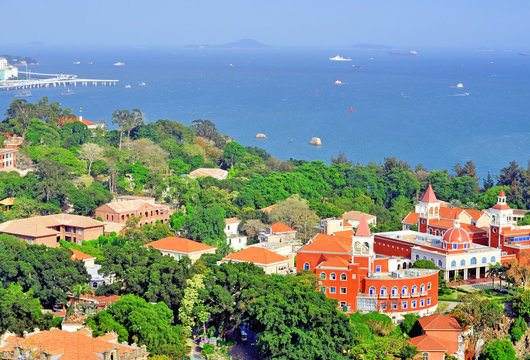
x: 240, y: 44
x: 19, y: 60
x: 371, y: 47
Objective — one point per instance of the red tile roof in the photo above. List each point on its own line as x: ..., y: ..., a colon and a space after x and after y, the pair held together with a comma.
x: 429, y: 196
x: 447, y: 224
x: 280, y: 227
x: 328, y: 244
x: 450, y: 213
x: 344, y: 234
x: 336, y: 262
x: 439, y: 322
x: 256, y: 255
x: 427, y: 343
x: 501, y: 194
x: 232, y: 220
x: 475, y: 214
x: 516, y: 232
x: 411, y: 218
x: 501, y: 207
x: 180, y: 245
x: 78, y: 255
x: 363, y: 229
x: 61, y: 121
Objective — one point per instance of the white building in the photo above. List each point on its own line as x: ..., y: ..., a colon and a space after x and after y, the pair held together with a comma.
x: 233, y: 238
x: 7, y: 71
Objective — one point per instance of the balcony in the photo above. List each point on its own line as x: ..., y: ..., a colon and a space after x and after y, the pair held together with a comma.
x: 405, y: 296
x: 394, y: 296
x: 415, y: 295
x: 424, y: 293
x: 383, y: 296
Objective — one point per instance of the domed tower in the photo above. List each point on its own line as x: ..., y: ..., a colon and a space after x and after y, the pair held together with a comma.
x: 501, y: 220
x: 456, y: 238
x: 428, y: 208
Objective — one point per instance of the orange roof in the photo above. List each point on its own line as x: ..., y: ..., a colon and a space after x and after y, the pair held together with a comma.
x: 179, y: 245
x: 232, y: 220
x: 328, y: 244
x: 356, y: 215
x: 280, y: 227
x: 427, y: 343
x: 429, y: 196
x: 411, y: 218
x: 78, y: 255
x: 439, y: 322
x: 71, y: 120
x: 79, y: 345
x: 336, y: 262
x: 346, y: 224
x: 516, y: 232
x: 501, y: 194
x: 344, y: 233
x: 256, y: 255
x: 447, y: 224
x: 268, y: 209
x: 475, y: 214
x: 450, y: 213
x: 363, y: 229
x: 501, y: 207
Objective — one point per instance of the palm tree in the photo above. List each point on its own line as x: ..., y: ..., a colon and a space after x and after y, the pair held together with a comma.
x: 79, y: 290
x: 123, y: 119
x: 494, y: 270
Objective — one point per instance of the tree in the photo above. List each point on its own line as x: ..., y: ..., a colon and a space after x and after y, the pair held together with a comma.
x: 294, y: 212
x: 123, y: 119
x: 90, y: 152
x: 509, y: 174
x: 410, y: 325
x: 518, y: 328
x: 232, y: 152
x: 521, y: 303
x: 192, y: 311
x: 519, y: 269
x: 496, y: 349
x: 252, y: 228
x: 207, y: 226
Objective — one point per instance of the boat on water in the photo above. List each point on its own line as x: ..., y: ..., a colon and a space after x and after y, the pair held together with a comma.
x: 339, y: 58
x: 25, y: 93
x: 77, y: 62
x: 401, y: 53
x: 119, y: 63
x: 127, y: 86
x: 359, y: 67
x: 338, y: 82
x: 460, y: 85
x: 68, y: 92
x: 141, y: 83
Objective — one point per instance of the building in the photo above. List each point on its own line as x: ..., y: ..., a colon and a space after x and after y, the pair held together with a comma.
x: 8, y: 158
x: 179, y: 247
x: 233, y: 238
x: 89, y: 261
x: 277, y: 233
x: 7, y: 204
x: 48, y: 230
x: 7, y: 71
x: 441, y: 334
x: 13, y: 141
x: 89, y: 124
x: 218, y: 174
x: 332, y: 225
x: 122, y: 211
x: 269, y: 261
x: 354, y: 218
x: 60, y: 344
x: 350, y: 272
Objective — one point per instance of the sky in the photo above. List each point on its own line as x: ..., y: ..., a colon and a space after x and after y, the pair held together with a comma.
x: 333, y: 23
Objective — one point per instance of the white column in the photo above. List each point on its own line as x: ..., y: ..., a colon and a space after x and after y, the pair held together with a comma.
x: 465, y: 274
x: 478, y: 272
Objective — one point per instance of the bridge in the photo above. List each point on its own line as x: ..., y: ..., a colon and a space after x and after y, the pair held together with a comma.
x: 52, y: 80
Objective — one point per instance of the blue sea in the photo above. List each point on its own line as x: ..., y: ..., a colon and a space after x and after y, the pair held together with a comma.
x: 403, y: 106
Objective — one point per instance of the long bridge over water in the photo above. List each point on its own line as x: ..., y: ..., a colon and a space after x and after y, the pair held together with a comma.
x: 51, y: 80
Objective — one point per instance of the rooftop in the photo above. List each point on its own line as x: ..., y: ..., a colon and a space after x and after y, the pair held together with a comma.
x: 78, y: 255
x: 280, y: 227
x: 403, y: 274
x: 131, y: 205
x: 356, y: 215
x: 179, y: 245
x: 439, y: 322
x: 232, y: 220
x: 256, y: 255
x: 39, y: 226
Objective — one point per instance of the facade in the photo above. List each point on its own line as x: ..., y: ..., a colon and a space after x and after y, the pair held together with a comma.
x: 277, y: 233
x: 48, y: 230
x: 120, y: 212
x: 8, y: 158
x: 354, y: 218
x: 60, y: 344
x: 13, y: 141
x: 233, y: 238
x: 218, y: 174
x: 349, y: 271
x: 179, y: 247
x: 331, y: 225
x: 269, y: 261
x: 96, y: 279
x: 440, y: 336
x: 7, y: 71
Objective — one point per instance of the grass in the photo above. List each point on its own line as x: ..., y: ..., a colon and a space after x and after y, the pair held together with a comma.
x: 442, y: 307
x: 453, y: 295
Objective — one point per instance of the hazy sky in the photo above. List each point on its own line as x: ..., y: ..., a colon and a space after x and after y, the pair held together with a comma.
x: 466, y: 23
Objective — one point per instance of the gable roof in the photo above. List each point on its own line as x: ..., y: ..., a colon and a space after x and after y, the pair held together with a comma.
x: 179, y: 245
x: 131, y: 205
x: 447, y: 224
x: 344, y: 233
x: 328, y: 244
x: 356, y: 215
x: 411, y: 218
x: 439, y: 322
x: 429, y: 196
x: 78, y: 255
x: 232, y: 220
x: 256, y: 255
x: 427, y: 343
x: 335, y: 262
x: 280, y: 227
x: 363, y: 229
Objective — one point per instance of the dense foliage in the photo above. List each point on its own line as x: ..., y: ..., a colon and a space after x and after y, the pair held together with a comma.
x: 498, y: 350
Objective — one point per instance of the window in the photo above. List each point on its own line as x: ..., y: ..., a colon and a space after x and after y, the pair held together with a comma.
x: 80, y: 231
x: 425, y: 258
x: 417, y: 257
x: 440, y: 263
x: 378, y: 268
x: 494, y: 229
x: 432, y: 260
x: 343, y: 277
x: 425, y: 356
x: 372, y: 290
x: 394, y: 290
x: 323, y: 276
x: 493, y: 260
x: 462, y: 262
x: 394, y: 306
x: 453, y: 263
x: 306, y: 266
x: 437, y: 232
x: 383, y: 291
x: 430, y: 231
x: 454, y: 246
x: 342, y: 304
x: 422, y: 288
x: 354, y: 276
x: 414, y: 289
x: 428, y: 301
x: 323, y: 289
x: 465, y: 246
x: 332, y: 276
x: 413, y: 304
x: 332, y: 290
x: 473, y: 261
x: 444, y: 245
x: 423, y: 221
x: 404, y: 290
x: 484, y: 260
x: 429, y: 286
x: 343, y: 290
x: 383, y: 306
x: 422, y: 303
x: 403, y: 304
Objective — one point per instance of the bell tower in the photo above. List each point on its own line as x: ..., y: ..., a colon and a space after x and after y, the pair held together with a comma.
x: 428, y: 208
x: 501, y: 220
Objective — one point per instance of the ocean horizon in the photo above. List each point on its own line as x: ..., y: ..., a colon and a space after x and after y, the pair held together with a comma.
x: 408, y: 107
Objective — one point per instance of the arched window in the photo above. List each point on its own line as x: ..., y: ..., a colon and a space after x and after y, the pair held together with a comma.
x: 462, y: 262
x: 440, y: 263
x: 430, y: 231
x: 417, y: 257
x: 473, y: 261
x: 372, y: 290
x: 343, y: 277
x: 493, y: 261
x: 414, y: 289
x: 484, y: 260
x: 432, y: 260
x: 383, y: 291
x: 453, y: 263
x: 437, y: 232
x: 332, y: 276
x: 425, y: 258
x: 429, y: 286
x: 306, y: 266
x: 404, y: 290
x: 394, y: 290
x: 422, y: 288
x: 323, y: 276
x: 425, y: 356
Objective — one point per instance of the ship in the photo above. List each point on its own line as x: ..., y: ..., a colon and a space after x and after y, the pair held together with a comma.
x: 68, y: 92
x: 339, y: 58
x: 77, y: 62
x: 400, y: 53
x: 23, y: 94
x: 119, y: 63
x: 338, y: 82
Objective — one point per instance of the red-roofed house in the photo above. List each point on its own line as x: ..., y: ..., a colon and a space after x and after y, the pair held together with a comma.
x: 89, y: 124
x: 354, y: 218
x: 332, y: 225
x: 277, y: 233
x: 179, y: 247
x: 440, y: 336
x: 269, y: 261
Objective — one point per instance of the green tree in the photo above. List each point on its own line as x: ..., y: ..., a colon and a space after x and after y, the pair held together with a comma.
x: 192, y: 312
x: 518, y: 329
x: 232, y: 152
x: 496, y: 349
x: 207, y: 226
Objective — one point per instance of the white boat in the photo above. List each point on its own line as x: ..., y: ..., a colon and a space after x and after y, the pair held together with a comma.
x: 68, y: 92
x: 127, y: 86
x: 77, y: 62
x: 141, y: 83
x: 338, y: 82
x: 460, y: 85
x: 119, y: 63
x: 25, y: 93
x: 339, y: 58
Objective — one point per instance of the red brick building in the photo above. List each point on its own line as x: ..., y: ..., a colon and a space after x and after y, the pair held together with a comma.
x: 120, y: 212
x: 441, y: 335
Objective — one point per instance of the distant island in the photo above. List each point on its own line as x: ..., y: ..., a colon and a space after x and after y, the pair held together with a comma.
x: 239, y: 44
x: 371, y: 47
x: 19, y: 60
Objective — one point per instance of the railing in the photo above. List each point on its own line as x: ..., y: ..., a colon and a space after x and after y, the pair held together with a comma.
x: 405, y: 296
x: 394, y: 296
x: 383, y: 296
x: 415, y: 295
x: 424, y: 293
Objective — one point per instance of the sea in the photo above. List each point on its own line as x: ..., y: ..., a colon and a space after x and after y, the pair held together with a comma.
x: 408, y: 107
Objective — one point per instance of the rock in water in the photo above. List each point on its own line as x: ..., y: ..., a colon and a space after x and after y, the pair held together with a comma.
x: 316, y: 141
x: 261, y: 136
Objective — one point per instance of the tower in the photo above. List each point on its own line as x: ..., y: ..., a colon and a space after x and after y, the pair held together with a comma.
x: 501, y: 220
x: 363, y: 242
x: 428, y: 208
